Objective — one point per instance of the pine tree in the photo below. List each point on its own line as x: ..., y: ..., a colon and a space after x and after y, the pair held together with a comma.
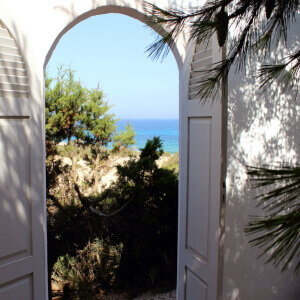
x: 64, y: 103
x: 75, y: 113
x: 99, y: 126
x: 125, y: 138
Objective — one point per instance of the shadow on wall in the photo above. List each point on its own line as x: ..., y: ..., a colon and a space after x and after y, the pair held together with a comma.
x: 262, y: 129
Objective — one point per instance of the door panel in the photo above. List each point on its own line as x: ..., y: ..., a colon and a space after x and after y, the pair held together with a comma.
x: 195, y: 287
x: 19, y: 289
x: 22, y: 221
x: 15, y: 215
x: 198, y: 192
x: 200, y: 183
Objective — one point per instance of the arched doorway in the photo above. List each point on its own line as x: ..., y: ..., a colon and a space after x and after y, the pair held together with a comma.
x: 141, y: 94
x: 201, y: 161
x: 107, y: 44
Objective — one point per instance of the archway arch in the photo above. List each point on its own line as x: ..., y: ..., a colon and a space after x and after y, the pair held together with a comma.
x: 135, y: 13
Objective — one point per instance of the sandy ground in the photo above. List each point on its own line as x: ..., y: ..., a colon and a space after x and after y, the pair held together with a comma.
x: 108, y: 173
x: 168, y: 295
x: 171, y: 295
x: 147, y: 296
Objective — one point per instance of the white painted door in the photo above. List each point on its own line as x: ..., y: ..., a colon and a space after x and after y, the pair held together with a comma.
x: 201, y: 192
x: 22, y: 218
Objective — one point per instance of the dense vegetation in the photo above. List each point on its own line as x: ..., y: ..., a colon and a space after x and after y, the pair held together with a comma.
x: 122, y: 238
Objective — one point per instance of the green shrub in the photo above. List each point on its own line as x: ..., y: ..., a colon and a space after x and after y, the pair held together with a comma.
x: 89, y: 271
x: 139, y: 212
x: 147, y: 226
x: 125, y: 138
x: 172, y: 163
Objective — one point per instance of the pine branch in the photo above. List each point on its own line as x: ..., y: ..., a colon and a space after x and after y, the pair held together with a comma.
x: 86, y: 203
x: 255, y: 38
x: 173, y: 21
x: 56, y: 202
x: 84, y: 200
x: 210, y: 84
x: 101, y: 214
x: 286, y: 74
x: 282, y: 237
x: 279, y: 231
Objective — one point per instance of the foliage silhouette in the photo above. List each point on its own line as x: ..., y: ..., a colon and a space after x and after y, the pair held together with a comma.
x: 147, y: 227
x: 137, y: 215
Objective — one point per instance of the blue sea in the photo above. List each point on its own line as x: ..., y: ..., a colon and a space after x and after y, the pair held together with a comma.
x: 145, y: 129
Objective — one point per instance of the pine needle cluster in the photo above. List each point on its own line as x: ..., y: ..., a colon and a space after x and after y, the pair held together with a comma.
x: 258, y: 26
x: 279, y: 230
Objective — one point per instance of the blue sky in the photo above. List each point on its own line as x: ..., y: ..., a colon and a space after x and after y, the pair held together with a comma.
x: 110, y: 50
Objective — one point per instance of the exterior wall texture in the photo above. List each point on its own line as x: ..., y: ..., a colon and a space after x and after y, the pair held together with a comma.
x: 262, y: 129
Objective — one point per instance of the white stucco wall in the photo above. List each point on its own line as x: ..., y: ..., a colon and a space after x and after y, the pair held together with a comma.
x: 260, y: 129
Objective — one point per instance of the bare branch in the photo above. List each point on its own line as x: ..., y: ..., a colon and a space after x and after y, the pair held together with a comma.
x: 99, y: 213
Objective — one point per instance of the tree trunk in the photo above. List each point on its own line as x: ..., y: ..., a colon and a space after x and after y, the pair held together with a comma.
x: 97, y: 170
x: 74, y: 174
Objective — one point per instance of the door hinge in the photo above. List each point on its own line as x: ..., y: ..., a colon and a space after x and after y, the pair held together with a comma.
x: 224, y: 192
